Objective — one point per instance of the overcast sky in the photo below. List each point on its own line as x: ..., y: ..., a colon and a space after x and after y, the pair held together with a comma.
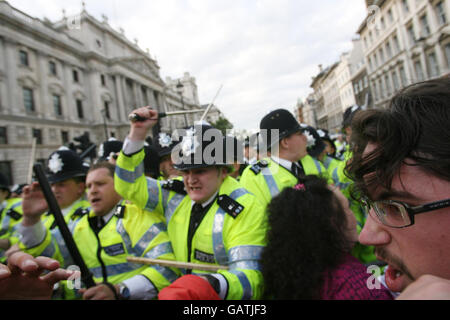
x: 263, y: 52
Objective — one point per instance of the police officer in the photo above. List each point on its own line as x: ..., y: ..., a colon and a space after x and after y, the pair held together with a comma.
x: 66, y: 175
x: 212, y: 220
x: 288, y: 161
x: 164, y: 146
x: 10, y: 217
x: 105, y: 235
x: 109, y: 150
x: 328, y: 156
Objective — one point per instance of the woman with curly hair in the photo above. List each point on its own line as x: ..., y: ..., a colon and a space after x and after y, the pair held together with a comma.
x: 312, y: 231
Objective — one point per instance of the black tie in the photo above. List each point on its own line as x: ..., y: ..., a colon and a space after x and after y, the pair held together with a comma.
x: 297, y: 170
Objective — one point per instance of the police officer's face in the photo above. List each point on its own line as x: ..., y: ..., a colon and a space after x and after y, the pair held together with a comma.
x: 101, y: 193
x: 67, y: 192
x: 293, y: 147
x: 201, y: 184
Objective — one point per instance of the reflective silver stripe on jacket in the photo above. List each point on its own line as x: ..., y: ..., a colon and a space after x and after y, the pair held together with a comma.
x: 245, y: 257
x: 270, y: 181
x: 217, y: 235
x: 130, y: 176
x: 246, y: 286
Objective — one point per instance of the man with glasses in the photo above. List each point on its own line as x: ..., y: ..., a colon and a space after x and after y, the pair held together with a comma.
x: 401, y: 166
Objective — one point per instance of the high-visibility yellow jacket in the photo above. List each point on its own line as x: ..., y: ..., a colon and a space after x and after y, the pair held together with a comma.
x: 224, y: 237
x: 49, y: 220
x: 10, y: 217
x: 131, y: 232
x: 267, y: 178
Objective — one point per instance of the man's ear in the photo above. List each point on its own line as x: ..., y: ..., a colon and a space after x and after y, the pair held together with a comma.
x: 284, y: 143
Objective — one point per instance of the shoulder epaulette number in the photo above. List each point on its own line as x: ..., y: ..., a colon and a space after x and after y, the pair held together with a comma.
x: 79, y: 213
x: 257, y: 168
x: 14, y: 214
x: 230, y: 206
x: 174, y: 185
x: 120, y: 211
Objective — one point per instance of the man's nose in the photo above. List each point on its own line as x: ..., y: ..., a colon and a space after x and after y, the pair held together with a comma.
x: 374, y: 233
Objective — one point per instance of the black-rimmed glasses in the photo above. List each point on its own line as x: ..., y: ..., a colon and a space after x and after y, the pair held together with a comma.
x: 397, y: 214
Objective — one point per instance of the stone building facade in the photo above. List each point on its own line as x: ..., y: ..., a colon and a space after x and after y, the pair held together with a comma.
x: 78, y: 75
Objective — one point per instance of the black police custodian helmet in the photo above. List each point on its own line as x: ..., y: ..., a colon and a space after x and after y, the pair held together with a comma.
x: 65, y: 164
x: 282, y: 120
x: 165, y: 144
x: 315, y: 145
x: 151, y: 161
x: 200, y: 146
x: 106, y: 148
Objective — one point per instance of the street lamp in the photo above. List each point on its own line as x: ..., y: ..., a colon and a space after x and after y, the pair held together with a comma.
x: 180, y: 91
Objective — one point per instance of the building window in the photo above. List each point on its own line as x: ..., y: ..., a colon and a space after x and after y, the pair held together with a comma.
x: 5, y: 168
x: 405, y: 6
x: 102, y: 79
x: 395, y: 81
x: 28, y: 99
x: 388, y: 50
x: 411, y: 35
x: 64, y: 137
x: 3, y: 136
x: 381, y: 55
x: 419, y: 71
x: 23, y: 56
x: 52, y: 68
x: 425, y: 26
x: 390, y: 16
x: 75, y: 76
x: 107, y: 113
x: 388, y: 85
x: 396, y: 44
x: 80, y: 109
x: 57, y: 106
x: 447, y: 53
x: 366, y: 82
x: 433, y: 65
x: 440, y: 11
x: 37, y: 133
x: 380, y: 85
x: 403, y: 79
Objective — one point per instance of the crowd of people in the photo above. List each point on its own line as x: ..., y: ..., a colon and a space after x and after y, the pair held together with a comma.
x: 300, y: 215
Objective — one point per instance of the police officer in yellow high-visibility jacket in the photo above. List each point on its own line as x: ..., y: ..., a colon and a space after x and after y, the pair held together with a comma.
x: 66, y: 176
x: 10, y: 217
x: 288, y: 160
x: 214, y: 220
x: 105, y: 236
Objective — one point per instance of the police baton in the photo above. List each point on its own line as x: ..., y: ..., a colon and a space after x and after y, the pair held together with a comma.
x: 53, y: 206
x: 137, y: 118
x: 87, y: 151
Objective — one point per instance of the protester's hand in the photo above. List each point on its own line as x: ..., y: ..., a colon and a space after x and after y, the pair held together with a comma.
x: 22, y: 280
x: 427, y: 287
x: 99, y: 292
x: 33, y: 204
x: 139, y: 129
x: 13, y: 249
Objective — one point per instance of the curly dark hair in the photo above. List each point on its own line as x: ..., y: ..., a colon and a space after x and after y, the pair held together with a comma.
x: 307, y: 236
x: 414, y: 130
